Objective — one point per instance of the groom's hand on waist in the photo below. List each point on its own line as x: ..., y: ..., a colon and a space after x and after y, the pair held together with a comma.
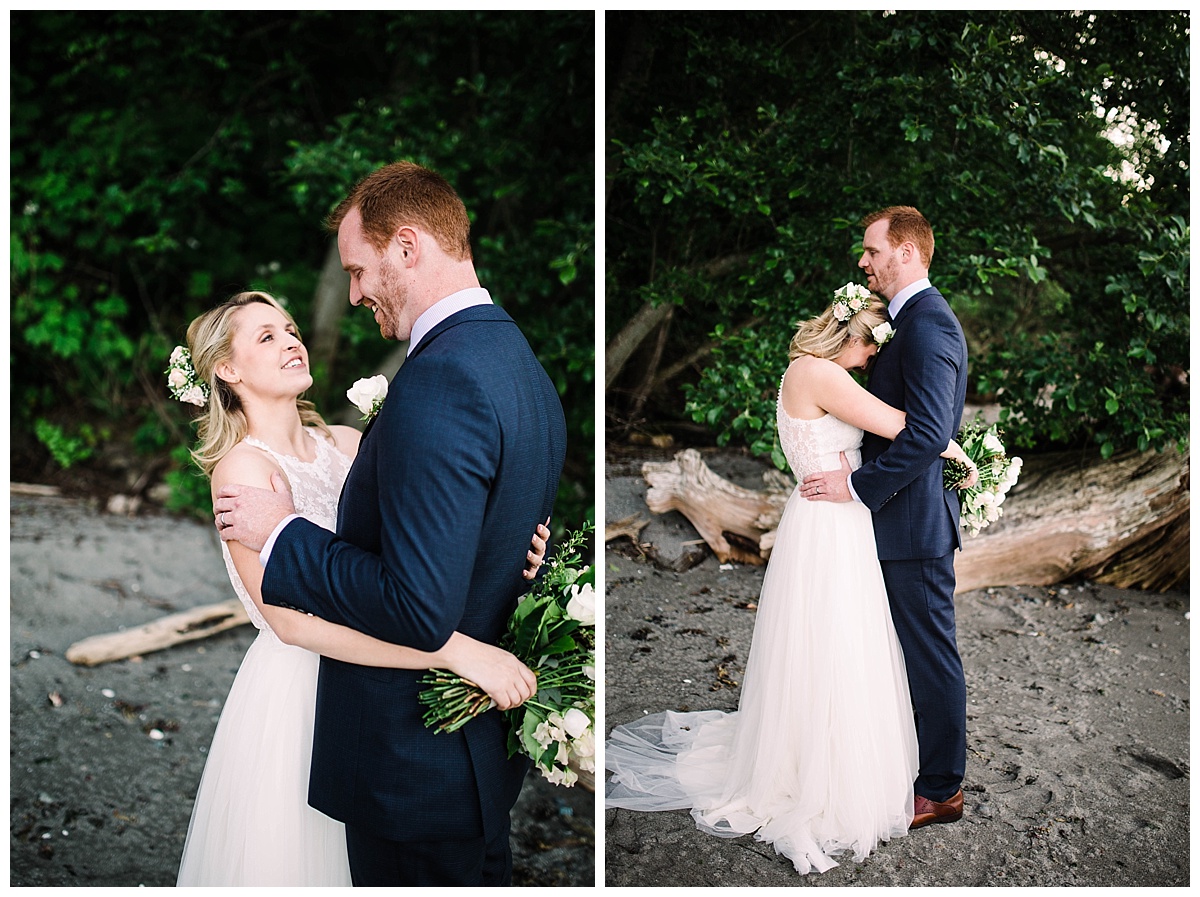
x: 249, y: 515
x: 829, y: 485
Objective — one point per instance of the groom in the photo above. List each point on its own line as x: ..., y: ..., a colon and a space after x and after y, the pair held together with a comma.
x: 459, y: 466
x: 922, y: 370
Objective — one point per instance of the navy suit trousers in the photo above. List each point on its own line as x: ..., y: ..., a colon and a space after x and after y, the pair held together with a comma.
x: 921, y: 594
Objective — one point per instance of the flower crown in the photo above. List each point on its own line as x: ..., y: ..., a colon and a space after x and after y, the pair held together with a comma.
x: 853, y: 298
x: 850, y: 300
x: 183, y: 381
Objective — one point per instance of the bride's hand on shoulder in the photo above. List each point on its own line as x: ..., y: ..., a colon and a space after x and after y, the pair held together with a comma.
x: 507, y: 681
x: 536, y: 556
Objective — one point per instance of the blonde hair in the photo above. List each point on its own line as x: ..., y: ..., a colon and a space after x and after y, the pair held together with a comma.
x: 825, y: 336
x: 223, y: 423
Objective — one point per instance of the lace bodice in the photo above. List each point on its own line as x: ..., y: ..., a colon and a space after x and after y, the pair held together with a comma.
x: 813, y: 445
x: 316, y: 486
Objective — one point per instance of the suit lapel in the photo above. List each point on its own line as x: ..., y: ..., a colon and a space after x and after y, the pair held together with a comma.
x: 912, y: 303
x: 474, y: 313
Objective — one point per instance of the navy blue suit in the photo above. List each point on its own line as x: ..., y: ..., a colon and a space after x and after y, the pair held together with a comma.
x: 452, y: 476
x: 922, y: 371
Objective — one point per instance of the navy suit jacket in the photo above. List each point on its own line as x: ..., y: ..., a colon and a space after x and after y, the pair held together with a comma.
x: 452, y: 476
x: 922, y: 371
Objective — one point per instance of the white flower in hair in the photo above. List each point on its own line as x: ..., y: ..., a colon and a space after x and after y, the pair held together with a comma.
x: 183, y: 381
x: 849, y: 300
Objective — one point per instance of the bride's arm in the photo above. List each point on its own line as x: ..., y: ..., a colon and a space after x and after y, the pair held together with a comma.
x: 505, y: 679
x: 830, y: 387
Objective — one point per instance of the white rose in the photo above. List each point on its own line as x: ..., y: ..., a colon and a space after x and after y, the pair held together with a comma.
x: 366, y: 392
x: 582, y: 606
x: 992, y: 443
x: 177, y: 378
x: 177, y: 354
x: 575, y: 722
x: 590, y: 672
x: 881, y: 333
x: 841, y: 311
x: 195, y: 396
x: 852, y: 290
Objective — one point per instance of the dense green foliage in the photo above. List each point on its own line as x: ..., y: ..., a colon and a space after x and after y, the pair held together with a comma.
x: 745, y: 149
x: 162, y: 161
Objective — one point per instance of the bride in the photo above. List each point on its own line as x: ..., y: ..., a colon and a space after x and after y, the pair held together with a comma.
x: 819, y: 758
x: 251, y: 824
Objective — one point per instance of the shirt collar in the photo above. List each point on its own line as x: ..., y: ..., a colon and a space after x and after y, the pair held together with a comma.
x: 443, y: 309
x: 905, y: 294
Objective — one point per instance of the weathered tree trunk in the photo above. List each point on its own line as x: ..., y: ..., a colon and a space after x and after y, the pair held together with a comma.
x: 175, y: 629
x: 623, y: 345
x: 330, y: 301
x: 1123, y: 521
x: 730, y: 518
x: 630, y: 527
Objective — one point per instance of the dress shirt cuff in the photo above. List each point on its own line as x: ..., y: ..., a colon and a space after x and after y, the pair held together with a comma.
x: 265, y: 554
x: 849, y: 485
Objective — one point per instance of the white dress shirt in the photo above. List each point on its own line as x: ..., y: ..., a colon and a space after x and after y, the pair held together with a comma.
x: 428, y: 319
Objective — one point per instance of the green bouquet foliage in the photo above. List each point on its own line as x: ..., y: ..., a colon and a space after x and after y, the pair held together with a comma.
x: 552, y: 632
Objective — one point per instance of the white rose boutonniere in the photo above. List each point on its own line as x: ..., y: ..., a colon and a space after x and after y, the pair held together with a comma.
x: 881, y: 333
x: 367, y: 395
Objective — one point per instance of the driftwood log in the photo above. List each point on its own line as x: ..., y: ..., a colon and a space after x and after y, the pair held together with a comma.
x: 1123, y: 521
x: 186, y: 626
x: 174, y: 629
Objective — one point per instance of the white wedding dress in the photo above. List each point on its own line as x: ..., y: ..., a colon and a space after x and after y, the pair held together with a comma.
x: 251, y: 824
x: 820, y: 757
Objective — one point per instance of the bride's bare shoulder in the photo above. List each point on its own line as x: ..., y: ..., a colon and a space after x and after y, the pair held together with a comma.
x: 809, y: 367
x: 246, y: 465
x: 346, y: 439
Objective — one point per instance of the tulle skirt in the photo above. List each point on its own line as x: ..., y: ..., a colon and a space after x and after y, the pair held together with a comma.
x: 820, y: 757
x: 251, y: 824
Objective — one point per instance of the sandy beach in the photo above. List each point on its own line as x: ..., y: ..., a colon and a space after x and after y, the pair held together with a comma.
x: 104, y: 761
x: 1078, y: 769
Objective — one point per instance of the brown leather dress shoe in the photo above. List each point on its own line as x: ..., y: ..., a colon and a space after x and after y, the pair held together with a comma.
x: 927, y: 812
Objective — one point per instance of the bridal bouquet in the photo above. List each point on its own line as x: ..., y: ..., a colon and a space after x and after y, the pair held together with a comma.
x: 997, y: 474
x: 552, y: 631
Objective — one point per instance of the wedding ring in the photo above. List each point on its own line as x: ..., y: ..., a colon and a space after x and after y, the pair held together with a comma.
x: 224, y: 522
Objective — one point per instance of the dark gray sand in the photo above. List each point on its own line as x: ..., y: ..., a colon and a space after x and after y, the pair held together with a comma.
x: 1078, y: 769
x: 104, y: 761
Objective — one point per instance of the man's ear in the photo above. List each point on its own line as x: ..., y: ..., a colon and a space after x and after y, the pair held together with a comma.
x: 408, y: 240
